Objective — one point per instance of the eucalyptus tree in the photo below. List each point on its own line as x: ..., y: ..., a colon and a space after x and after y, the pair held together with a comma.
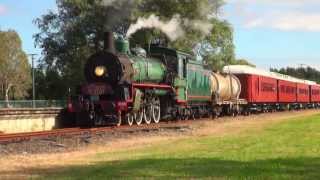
x: 15, y: 76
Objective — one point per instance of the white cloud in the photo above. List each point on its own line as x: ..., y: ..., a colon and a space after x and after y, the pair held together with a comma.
x: 3, y: 9
x: 284, y: 15
x: 278, y: 3
x: 287, y: 21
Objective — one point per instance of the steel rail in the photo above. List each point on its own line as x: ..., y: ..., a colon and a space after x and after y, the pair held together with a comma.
x: 18, y: 137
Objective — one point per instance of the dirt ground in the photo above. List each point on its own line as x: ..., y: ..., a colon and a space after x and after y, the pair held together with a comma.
x: 26, y: 165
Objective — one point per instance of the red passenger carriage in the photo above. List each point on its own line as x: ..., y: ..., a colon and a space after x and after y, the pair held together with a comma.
x: 303, y: 93
x: 315, y: 94
x: 268, y: 90
x: 287, y: 92
x: 258, y: 89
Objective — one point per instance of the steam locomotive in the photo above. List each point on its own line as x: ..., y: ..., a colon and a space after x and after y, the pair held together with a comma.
x: 131, y: 86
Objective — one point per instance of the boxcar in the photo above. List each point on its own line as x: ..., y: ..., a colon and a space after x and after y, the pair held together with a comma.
x: 287, y: 91
x: 258, y: 89
x: 303, y: 93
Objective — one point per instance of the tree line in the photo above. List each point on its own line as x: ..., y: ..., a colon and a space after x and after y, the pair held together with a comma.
x: 307, y: 73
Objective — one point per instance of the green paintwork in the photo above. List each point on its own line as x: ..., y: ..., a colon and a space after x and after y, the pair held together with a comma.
x: 137, y: 100
x: 122, y: 46
x: 180, y: 82
x: 148, y: 70
x: 192, y: 76
x: 192, y: 82
x: 198, y: 81
x: 181, y: 86
x: 160, y: 92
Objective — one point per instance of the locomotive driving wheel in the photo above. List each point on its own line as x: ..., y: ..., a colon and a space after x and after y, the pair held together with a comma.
x: 156, y: 110
x: 130, y: 118
x: 148, y: 112
x: 139, y: 117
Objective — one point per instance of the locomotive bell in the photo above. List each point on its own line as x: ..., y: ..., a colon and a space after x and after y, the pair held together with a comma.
x: 100, y: 71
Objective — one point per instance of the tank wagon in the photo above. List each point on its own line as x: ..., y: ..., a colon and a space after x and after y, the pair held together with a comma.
x: 133, y: 86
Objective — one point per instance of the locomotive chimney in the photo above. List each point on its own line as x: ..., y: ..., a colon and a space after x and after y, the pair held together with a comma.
x: 109, y: 42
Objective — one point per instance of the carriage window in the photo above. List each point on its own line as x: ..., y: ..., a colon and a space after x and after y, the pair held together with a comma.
x: 303, y: 91
x: 315, y: 92
x: 267, y: 87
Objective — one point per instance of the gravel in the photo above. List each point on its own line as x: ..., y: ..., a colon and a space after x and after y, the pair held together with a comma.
x: 69, y: 143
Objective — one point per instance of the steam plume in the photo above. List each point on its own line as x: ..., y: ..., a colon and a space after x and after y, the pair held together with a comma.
x: 171, y: 28
x: 203, y: 26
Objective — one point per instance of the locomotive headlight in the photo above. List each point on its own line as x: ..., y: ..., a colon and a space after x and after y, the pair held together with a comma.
x: 100, y: 71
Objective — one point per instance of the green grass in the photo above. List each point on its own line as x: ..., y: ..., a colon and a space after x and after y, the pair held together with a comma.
x: 287, y: 150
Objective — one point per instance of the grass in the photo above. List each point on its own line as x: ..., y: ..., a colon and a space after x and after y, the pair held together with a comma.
x: 287, y: 150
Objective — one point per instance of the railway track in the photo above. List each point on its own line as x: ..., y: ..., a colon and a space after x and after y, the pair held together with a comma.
x: 19, y: 137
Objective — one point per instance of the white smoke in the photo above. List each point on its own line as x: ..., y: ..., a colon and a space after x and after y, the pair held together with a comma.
x: 203, y: 26
x: 171, y: 28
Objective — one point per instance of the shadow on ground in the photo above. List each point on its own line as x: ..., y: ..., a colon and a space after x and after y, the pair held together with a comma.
x: 301, y: 168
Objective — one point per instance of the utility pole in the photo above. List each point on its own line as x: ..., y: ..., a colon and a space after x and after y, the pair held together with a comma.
x: 33, y: 80
x: 303, y: 65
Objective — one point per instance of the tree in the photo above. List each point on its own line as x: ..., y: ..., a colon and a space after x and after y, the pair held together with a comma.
x: 243, y: 62
x: 201, y: 25
x: 195, y: 16
x: 15, y: 76
x: 69, y: 36
x: 221, y: 39
x: 49, y: 84
x: 307, y: 73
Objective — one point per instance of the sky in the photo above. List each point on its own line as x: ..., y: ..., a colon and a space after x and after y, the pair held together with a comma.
x: 268, y: 33
x: 273, y: 33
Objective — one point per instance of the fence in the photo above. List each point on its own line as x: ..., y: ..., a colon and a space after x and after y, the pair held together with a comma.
x: 37, y: 104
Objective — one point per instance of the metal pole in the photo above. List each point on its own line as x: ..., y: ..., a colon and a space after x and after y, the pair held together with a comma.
x: 33, y: 81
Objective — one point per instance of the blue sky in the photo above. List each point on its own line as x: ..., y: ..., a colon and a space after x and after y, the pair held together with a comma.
x: 274, y: 33
x: 269, y: 33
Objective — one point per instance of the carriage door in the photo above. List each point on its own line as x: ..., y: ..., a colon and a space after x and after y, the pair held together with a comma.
x: 181, y: 81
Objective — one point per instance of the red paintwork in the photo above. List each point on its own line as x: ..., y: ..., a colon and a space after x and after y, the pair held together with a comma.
x: 70, y: 106
x: 121, y: 106
x: 287, y: 92
x: 258, y: 89
x: 96, y: 89
x: 315, y: 93
x: 303, y: 93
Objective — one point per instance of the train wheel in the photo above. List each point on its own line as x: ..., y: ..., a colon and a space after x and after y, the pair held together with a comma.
x: 139, y: 117
x: 156, y: 110
x: 130, y: 119
x: 119, y: 119
x: 148, y: 114
x: 193, y: 115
